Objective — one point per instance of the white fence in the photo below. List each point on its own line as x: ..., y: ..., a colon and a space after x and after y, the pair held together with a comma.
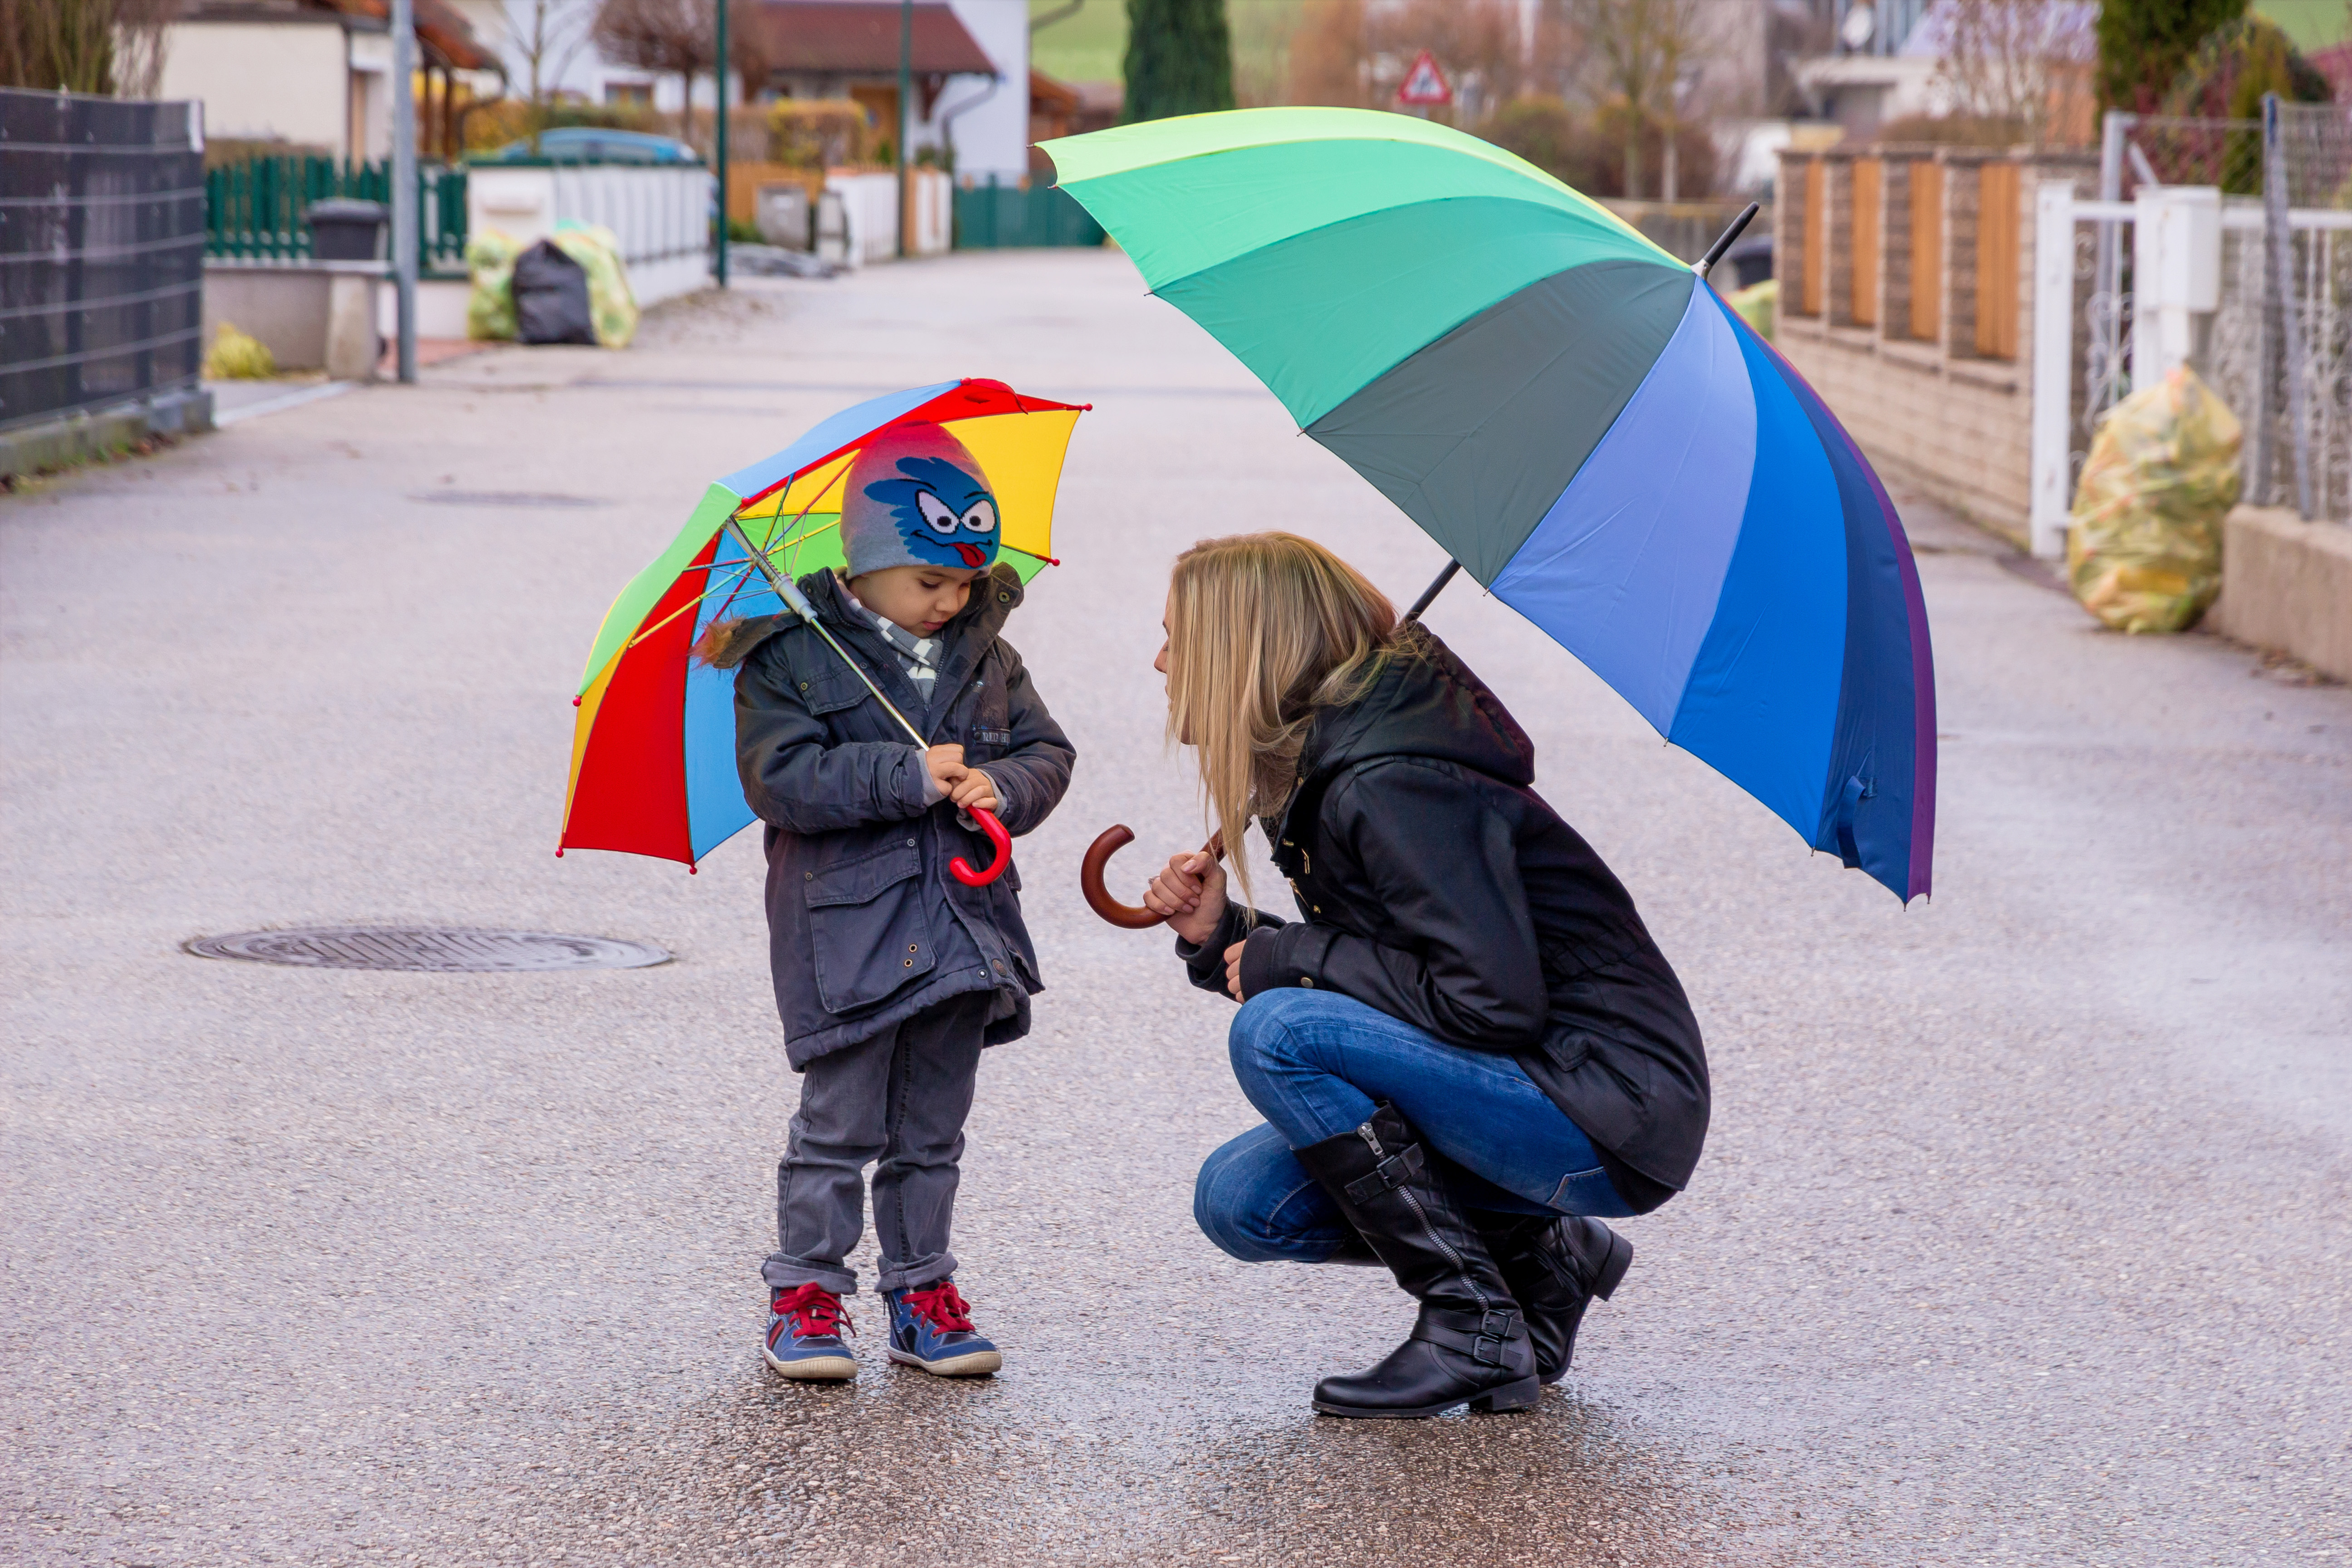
x: 661, y: 214
x: 867, y: 208
x: 2205, y: 283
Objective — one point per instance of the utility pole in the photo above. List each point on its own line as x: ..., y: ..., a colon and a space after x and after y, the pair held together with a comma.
x: 719, y: 85
x: 906, y: 118
x: 403, y: 179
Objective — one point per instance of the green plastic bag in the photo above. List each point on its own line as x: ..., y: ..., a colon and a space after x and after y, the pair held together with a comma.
x: 611, y: 304
x: 490, y: 303
x: 2145, y: 551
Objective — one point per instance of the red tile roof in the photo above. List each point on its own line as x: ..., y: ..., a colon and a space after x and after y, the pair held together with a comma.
x: 860, y: 37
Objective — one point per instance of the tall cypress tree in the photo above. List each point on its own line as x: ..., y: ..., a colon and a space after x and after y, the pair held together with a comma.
x: 2144, y: 45
x: 1179, y: 59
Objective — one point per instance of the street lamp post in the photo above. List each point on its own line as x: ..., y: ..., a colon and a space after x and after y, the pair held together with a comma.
x: 403, y: 180
x: 718, y: 87
x: 905, y: 92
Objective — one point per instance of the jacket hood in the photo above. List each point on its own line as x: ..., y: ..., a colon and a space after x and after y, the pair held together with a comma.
x: 1426, y: 703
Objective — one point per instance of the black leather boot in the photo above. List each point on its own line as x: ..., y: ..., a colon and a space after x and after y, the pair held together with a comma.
x: 1555, y: 1268
x: 1469, y: 1345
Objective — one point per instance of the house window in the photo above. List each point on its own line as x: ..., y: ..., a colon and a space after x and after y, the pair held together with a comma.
x: 629, y: 94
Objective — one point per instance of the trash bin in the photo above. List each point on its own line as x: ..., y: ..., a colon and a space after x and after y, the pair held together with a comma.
x: 342, y: 230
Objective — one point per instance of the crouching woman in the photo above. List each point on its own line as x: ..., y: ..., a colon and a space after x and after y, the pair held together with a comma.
x: 1468, y: 1048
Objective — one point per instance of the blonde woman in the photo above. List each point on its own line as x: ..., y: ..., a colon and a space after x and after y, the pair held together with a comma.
x: 1467, y: 1047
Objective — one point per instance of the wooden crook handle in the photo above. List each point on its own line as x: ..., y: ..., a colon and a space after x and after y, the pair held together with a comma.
x: 1133, y: 917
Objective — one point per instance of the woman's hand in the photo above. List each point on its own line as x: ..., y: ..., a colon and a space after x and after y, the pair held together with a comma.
x: 1190, y: 895
x: 1234, y: 968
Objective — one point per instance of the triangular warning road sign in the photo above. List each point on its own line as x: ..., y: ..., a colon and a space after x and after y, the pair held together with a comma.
x: 1425, y: 83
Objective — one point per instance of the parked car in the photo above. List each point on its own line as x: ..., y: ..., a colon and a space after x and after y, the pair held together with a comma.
x: 593, y: 144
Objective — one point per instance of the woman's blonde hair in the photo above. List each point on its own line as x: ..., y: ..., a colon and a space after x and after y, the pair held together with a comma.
x: 1262, y: 629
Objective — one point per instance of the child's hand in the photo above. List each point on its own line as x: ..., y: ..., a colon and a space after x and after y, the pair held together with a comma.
x: 1191, y: 894
x: 947, y: 769
x: 975, y: 793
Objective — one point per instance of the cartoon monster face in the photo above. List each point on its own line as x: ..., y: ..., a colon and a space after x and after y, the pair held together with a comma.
x: 944, y: 514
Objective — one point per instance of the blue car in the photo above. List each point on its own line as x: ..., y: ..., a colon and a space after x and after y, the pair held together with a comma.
x: 593, y: 144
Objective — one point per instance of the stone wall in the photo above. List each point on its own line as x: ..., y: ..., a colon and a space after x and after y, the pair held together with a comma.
x: 1937, y: 412
x: 2287, y: 585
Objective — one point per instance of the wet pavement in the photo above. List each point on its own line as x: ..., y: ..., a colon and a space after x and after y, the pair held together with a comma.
x: 2021, y: 1233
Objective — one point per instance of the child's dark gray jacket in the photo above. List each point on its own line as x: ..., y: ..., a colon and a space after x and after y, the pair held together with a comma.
x: 866, y: 927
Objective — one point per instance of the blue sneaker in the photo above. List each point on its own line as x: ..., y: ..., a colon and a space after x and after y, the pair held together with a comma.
x: 931, y: 1327
x: 804, y: 1326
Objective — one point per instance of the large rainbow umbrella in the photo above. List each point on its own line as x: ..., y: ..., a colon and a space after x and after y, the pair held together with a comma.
x: 1582, y: 424
x: 653, y: 747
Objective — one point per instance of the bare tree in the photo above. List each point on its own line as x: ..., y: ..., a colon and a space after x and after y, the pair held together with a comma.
x: 668, y: 37
x: 1647, y: 55
x: 2019, y: 63
x: 548, y: 35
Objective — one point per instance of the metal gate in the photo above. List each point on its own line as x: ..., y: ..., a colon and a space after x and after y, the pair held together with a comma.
x: 2276, y: 342
x: 101, y: 252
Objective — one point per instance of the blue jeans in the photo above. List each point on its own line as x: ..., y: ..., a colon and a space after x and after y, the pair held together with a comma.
x: 1313, y: 1064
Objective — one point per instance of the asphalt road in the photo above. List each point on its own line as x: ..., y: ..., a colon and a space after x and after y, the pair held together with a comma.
x: 2020, y: 1236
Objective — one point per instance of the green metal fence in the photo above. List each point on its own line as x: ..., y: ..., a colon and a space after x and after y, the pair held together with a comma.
x: 254, y: 211
x: 996, y: 215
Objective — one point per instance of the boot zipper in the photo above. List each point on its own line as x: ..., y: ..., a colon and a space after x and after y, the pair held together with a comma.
x: 1372, y: 1141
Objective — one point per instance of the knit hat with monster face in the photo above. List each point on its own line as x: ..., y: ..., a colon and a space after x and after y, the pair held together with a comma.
x: 915, y: 496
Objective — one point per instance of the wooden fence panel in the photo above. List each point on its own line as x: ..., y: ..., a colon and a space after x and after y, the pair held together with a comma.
x: 1997, y: 260
x: 1869, y: 201
x: 1926, y: 249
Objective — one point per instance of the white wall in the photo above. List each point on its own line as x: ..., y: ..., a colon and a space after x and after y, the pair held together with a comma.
x: 993, y: 137
x: 262, y: 80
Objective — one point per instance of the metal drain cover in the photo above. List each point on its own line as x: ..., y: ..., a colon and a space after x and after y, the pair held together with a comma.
x: 433, y: 949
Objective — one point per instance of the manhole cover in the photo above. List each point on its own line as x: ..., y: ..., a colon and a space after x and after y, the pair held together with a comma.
x: 504, y: 498
x: 432, y: 948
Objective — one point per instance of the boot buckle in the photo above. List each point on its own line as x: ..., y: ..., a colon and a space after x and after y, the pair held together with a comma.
x: 1387, y: 1175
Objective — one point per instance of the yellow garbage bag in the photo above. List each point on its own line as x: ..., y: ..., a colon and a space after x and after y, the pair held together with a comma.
x: 611, y: 304
x: 237, y: 356
x: 1758, y: 305
x: 2145, y: 551
x: 489, y: 269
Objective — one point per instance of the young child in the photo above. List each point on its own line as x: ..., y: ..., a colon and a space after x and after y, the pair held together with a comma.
x: 890, y: 975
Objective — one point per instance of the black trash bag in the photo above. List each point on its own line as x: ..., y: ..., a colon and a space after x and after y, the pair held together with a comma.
x: 550, y: 297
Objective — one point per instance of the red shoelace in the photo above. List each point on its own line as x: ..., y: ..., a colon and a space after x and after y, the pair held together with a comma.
x: 814, y: 1311
x: 948, y: 1311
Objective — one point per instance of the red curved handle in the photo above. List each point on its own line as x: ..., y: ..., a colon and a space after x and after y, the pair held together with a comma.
x: 961, y: 868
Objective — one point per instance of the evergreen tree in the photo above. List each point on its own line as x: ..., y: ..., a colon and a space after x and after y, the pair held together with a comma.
x: 1179, y: 59
x: 2144, y: 44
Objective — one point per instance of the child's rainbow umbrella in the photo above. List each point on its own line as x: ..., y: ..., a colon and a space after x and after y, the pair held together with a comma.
x: 1579, y: 420
x: 652, y: 751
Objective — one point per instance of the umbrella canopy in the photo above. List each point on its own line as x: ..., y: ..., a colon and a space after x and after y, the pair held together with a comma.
x: 1581, y: 423
x: 653, y: 747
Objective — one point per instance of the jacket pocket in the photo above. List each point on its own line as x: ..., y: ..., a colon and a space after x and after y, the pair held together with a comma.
x: 868, y: 930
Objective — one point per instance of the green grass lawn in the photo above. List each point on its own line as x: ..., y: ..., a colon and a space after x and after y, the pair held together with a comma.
x: 2312, y: 23
x: 1090, y: 45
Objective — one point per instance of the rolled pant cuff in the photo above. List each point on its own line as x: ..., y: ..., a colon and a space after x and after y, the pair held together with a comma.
x: 783, y: 1272
x: 914, y: 1275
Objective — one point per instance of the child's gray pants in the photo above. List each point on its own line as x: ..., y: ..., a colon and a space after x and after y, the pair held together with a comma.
x: 900, y: 1098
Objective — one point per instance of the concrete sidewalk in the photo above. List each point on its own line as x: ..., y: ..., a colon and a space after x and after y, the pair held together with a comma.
x: 2021, y: 1235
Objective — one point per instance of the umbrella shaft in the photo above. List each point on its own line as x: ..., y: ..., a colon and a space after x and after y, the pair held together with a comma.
x: 790, y: 592
x: 1437, y: 586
